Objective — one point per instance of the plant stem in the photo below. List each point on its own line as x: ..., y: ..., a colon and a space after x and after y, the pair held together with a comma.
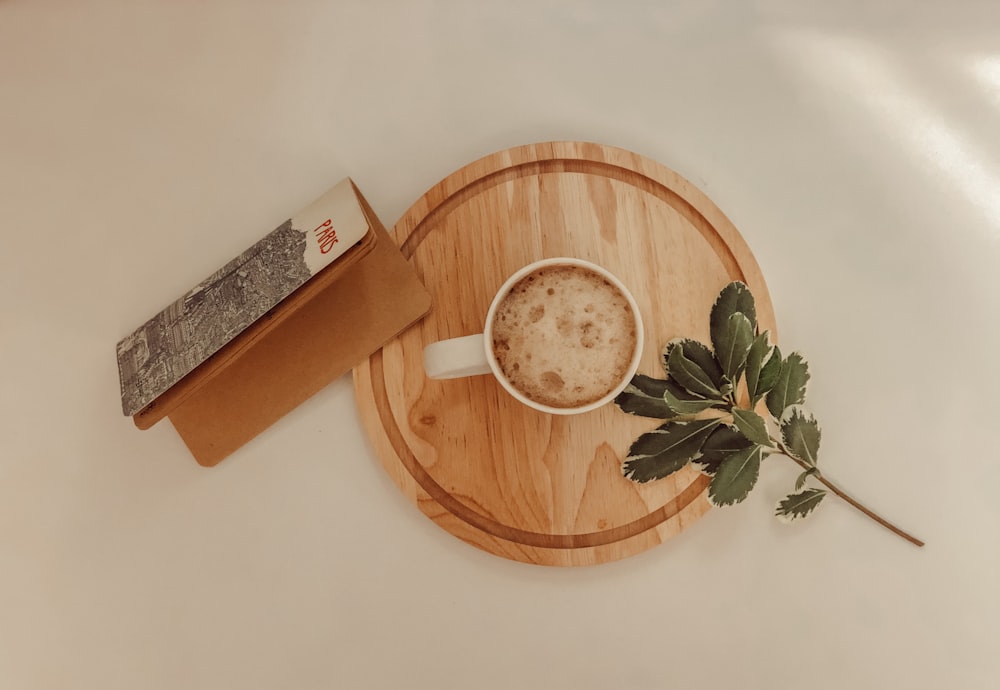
x: 840, y: 493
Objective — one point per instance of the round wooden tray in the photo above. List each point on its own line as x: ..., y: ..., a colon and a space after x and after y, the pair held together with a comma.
x: 518, y: 483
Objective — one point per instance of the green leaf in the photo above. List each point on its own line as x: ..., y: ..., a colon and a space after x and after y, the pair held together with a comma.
x: 752, y: 426
x: 666, y: 449
x: 643, y: 396
x: 723, y: 441
x: 799, y: 505
x: 790, y: 387
x: 801, y: 481
x: 760, y: 351
x: 681, y: 407
x: 732, y: 350
x: 735, y: 298
x: 736, y: 477
x: 800, y: 433
x: 768, y: 374
x: 698, y: 353
x: 690, y: 375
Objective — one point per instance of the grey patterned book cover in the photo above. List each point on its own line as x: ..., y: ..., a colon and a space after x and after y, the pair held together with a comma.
x: 173, y: 343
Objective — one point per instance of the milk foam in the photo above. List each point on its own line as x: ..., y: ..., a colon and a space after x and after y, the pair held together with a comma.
x: 564, y: 336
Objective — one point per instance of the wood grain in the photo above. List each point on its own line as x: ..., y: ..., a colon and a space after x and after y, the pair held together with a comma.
x: 518, y: 483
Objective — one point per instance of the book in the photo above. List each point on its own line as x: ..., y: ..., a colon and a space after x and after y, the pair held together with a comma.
x: 178, y: 339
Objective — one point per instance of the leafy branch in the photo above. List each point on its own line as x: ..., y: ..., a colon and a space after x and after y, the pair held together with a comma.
x: 727, y: 408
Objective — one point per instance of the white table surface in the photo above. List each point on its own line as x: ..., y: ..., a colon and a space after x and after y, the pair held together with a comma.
x: 855, y: 145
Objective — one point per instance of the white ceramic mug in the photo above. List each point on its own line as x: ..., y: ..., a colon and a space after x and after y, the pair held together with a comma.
x: 473, y: 355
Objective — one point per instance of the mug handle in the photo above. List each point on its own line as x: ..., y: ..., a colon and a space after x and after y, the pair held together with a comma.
x: 456, y: 358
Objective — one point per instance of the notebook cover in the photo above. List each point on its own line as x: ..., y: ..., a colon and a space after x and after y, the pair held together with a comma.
x: 321, y: 332
x: 181, y: 337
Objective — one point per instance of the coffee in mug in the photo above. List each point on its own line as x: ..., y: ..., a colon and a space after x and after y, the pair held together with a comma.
x: 562, y: 335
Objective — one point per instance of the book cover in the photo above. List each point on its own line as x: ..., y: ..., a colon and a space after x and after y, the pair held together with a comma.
x: 173, y: 343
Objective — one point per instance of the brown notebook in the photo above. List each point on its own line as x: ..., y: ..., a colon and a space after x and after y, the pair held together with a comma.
x: 336, y: 319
